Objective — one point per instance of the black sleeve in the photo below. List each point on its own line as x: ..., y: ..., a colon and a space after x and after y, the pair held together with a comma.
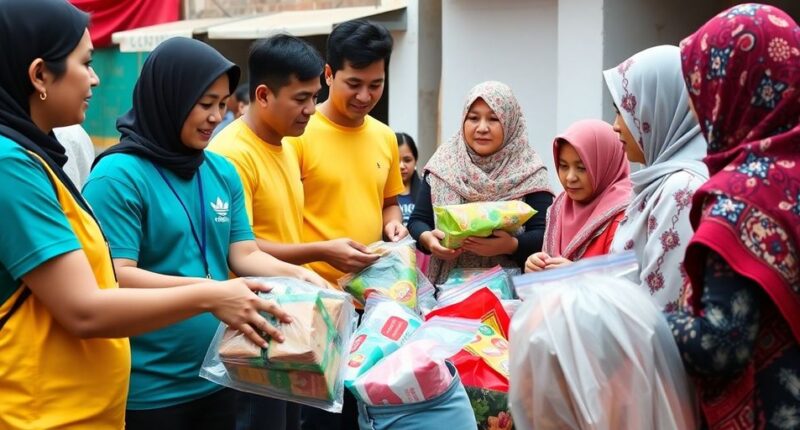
x: 721, y: 341
x: 421, y: 219
x: 531, y: 240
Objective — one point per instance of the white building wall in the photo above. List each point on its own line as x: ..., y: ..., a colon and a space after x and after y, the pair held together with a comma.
x: 403, y: 74
x: 513, y: 41
x: 414, y: 75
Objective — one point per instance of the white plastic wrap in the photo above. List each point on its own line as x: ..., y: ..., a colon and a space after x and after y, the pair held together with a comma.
x: 590, y: 350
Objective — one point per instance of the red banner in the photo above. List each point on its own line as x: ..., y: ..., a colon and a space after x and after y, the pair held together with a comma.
x: 109, y: 16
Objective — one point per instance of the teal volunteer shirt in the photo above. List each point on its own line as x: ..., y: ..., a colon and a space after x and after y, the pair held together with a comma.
x: 145, y: 222
x: 35, y: 228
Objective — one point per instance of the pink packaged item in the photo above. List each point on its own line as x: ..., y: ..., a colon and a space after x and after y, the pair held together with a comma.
x: 409, y: 375
x: 417, y: 371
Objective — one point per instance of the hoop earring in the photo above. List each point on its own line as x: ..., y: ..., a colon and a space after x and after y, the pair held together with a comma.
x: 43, y: 96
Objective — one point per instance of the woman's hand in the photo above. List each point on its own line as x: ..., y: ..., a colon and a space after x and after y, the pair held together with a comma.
x: 238, y: 306
x: 556, y: 262
x: 311, y: 277
x: 432, y: 241
x: 499, y: 243
x: 536, y: 262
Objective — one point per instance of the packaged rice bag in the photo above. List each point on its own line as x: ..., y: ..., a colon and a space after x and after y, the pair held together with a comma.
x: 394, y: 275
x: 385, y: 325
x: 417, y: 371
x: 307, y: 367
x: 479, y: 219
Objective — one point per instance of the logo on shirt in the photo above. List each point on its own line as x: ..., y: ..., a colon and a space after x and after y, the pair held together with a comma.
x: 221, y: 208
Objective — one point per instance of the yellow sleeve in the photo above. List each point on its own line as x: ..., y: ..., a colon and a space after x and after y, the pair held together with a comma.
x: 297, y: 144
x: 242, y: 163
x: 394, y: 183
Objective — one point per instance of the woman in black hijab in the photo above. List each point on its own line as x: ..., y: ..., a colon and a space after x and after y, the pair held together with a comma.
x: 174, y: 214
x: 59, y: 299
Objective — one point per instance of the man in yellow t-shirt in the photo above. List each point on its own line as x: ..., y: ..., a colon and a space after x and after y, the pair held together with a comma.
x: 284, y: 82
x: 349, y: 161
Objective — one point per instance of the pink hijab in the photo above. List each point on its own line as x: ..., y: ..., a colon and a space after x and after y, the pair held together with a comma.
x: 571, y: 225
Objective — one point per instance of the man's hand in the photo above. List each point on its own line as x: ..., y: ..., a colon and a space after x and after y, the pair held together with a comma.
x: 348, y: 255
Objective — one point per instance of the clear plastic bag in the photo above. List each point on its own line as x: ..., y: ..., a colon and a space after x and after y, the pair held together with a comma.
x: 590, y: 350
x: 394, y: 275
x: 308, y: 367
x: 463, y: 282
x: 417, y: 370
x: 426, y: 294
x: 385, y: 326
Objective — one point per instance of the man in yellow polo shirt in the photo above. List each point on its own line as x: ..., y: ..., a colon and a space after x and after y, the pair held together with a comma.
x: 349, y: 161
x: 284, y: 82
x: 349, y: 164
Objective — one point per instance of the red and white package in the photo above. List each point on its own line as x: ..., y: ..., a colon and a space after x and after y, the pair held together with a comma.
x: 409, y: 375
x: 417, y: 371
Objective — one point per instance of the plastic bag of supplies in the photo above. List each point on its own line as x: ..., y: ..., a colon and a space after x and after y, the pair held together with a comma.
x: 591, y: 350
x: 394, y: 275
x: 307, y: 367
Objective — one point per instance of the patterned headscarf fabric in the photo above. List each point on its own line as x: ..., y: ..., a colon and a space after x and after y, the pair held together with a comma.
x: 742, y: 69
x: 572, y: 225
x: 649, y: 92
x: 457, y: 174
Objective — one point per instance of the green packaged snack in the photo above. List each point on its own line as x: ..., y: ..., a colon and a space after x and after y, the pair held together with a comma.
x: 394, y: 275
x: 479, y: 219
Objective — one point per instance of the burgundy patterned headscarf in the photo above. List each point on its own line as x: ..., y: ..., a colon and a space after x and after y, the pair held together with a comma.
x: 742, y: 69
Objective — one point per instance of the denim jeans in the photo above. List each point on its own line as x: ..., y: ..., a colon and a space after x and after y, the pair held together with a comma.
x: 450, y: 410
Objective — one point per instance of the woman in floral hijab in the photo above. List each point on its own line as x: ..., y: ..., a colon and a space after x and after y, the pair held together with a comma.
x: 489, y: 159
x: 739, y: 335
x: 658, y: 130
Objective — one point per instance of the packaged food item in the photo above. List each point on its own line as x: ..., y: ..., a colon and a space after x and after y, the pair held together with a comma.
x: 394, y: 275
x: 427, y: 379
x: 306, y: 338
x: 307, y: 367
x: 385, y: 325
x: 592, y: 350
x: 484, y: 362
x: 416, y: 371
x: 491, y: 347
x: 451, y: 410
x: 463, y: 282
x: 479, y: 219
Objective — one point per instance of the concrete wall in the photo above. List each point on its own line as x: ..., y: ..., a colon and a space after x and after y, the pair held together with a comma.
x: 633, y: 25
x: 513, y: 41
x: 415, y: 73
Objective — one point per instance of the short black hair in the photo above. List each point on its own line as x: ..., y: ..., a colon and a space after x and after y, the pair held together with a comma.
x: 242, y: 93
x: 405, y: 139
x: 360, y: 43
x: 274, y: 60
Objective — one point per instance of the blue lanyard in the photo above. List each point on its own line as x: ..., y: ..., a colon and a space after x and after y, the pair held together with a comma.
x: 200, y: 244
